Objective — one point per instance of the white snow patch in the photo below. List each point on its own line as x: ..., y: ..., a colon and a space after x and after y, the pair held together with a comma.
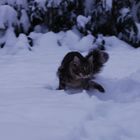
x: 32, y: 109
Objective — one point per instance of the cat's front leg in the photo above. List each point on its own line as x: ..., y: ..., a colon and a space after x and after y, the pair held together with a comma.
x: 61, y: 84
x: 95, y: 85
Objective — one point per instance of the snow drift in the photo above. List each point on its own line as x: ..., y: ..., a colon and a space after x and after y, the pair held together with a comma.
x: 32, y: 109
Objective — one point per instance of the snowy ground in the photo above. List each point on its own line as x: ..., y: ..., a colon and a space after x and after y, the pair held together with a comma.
x: 31, y: 108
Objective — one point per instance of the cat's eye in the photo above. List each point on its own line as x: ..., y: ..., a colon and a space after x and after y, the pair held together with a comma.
x: 75, y: 65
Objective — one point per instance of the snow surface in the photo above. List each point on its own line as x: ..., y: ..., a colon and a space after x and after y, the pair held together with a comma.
x: 32, y: 109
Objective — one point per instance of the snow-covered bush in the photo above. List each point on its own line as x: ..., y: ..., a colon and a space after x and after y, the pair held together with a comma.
x: 8, y: 17
x: 8, y: 22
x: 24, y: 22
x: 16, y: 11
x: 37, y: 11
x: 82, y: 22
x: 127, y: 28
x: 107, y: 17
x: 61, y: 14
x: 101, y: 19
x: 136, y: 10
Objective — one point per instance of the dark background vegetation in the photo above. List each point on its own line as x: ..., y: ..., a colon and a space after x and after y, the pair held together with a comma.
x: 107, y: 17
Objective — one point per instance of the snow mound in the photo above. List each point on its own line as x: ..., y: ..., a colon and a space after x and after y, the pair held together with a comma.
x: 74, y: 42
x: 32, y: 109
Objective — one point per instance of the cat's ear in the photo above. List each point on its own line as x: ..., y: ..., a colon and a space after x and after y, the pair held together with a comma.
x: 104, y: 57
x: 76, y: 60
x: 90, y: 59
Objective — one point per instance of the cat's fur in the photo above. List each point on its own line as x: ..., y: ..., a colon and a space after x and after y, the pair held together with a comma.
x: 96, y: 59
x: 77, y: 71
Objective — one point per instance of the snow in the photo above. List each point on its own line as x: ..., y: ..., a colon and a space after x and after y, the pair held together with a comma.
x: 138, y: 26
x: 8, y: 16
x: 53, y: 3
x: 124, y: 12
x: 71, y: 40
x: 82, y: 21
x: 109, y: 3
x: 88, y: 6
x: 24, y: 21
x: 20, y: 3
x: 32, y: 109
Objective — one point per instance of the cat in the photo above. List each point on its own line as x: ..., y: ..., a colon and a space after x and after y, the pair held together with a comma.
x: 76, y: 71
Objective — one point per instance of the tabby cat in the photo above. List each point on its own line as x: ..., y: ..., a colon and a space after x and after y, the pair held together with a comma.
x: 77, y: 72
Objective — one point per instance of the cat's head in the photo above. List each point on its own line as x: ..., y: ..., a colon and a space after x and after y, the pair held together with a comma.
x: 79, y: 68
